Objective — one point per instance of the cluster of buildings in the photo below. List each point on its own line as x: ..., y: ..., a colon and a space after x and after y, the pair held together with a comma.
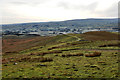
x: 55, y: 31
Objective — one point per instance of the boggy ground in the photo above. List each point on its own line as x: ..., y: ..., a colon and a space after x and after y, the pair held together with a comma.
x: 64, y: 56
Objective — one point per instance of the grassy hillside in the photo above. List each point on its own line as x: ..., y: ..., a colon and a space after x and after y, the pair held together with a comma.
x: 18, y: 43
x: 100, y: 35
x: 86, y: 55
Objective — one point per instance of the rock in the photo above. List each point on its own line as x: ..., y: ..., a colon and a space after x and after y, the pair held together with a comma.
x: 15, y: 63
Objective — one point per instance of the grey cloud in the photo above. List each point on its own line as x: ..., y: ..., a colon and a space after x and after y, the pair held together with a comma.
x: 64, y: 5
x: 119, y: 9
x: 19, y: 3
x: 90, y: 7
x: 29, y: 2
x: 110, y: 12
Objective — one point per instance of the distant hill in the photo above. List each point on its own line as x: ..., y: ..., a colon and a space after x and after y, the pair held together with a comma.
x: 101, y: 23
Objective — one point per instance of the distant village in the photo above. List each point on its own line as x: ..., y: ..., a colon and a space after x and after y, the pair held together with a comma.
x: 50, y: 31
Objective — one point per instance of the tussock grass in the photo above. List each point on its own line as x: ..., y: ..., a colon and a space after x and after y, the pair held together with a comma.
x: 75, y: 54
x: 95, y: 54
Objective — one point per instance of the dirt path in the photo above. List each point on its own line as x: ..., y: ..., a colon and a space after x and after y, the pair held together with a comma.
x: 78, y: 39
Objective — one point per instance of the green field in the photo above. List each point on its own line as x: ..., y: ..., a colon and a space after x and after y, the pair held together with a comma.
x: 64, y: 56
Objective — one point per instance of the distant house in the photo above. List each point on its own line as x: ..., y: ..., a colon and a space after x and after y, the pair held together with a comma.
x: 33, y: 33
x: 62, y: 33
x: 90, y: 30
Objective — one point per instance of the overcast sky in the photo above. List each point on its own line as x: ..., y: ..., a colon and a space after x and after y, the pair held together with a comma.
x: 22, y: 11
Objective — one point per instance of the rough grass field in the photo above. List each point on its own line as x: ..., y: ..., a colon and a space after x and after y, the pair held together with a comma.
x: 62, y: 56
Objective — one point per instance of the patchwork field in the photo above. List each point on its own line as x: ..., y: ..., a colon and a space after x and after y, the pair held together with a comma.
x: 88, y: 55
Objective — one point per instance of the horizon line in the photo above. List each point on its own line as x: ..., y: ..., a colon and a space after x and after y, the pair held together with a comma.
x: 54, y: 21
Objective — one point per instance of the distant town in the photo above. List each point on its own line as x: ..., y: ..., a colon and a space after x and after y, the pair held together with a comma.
x: 55, y: 31
x: 77, y: 26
